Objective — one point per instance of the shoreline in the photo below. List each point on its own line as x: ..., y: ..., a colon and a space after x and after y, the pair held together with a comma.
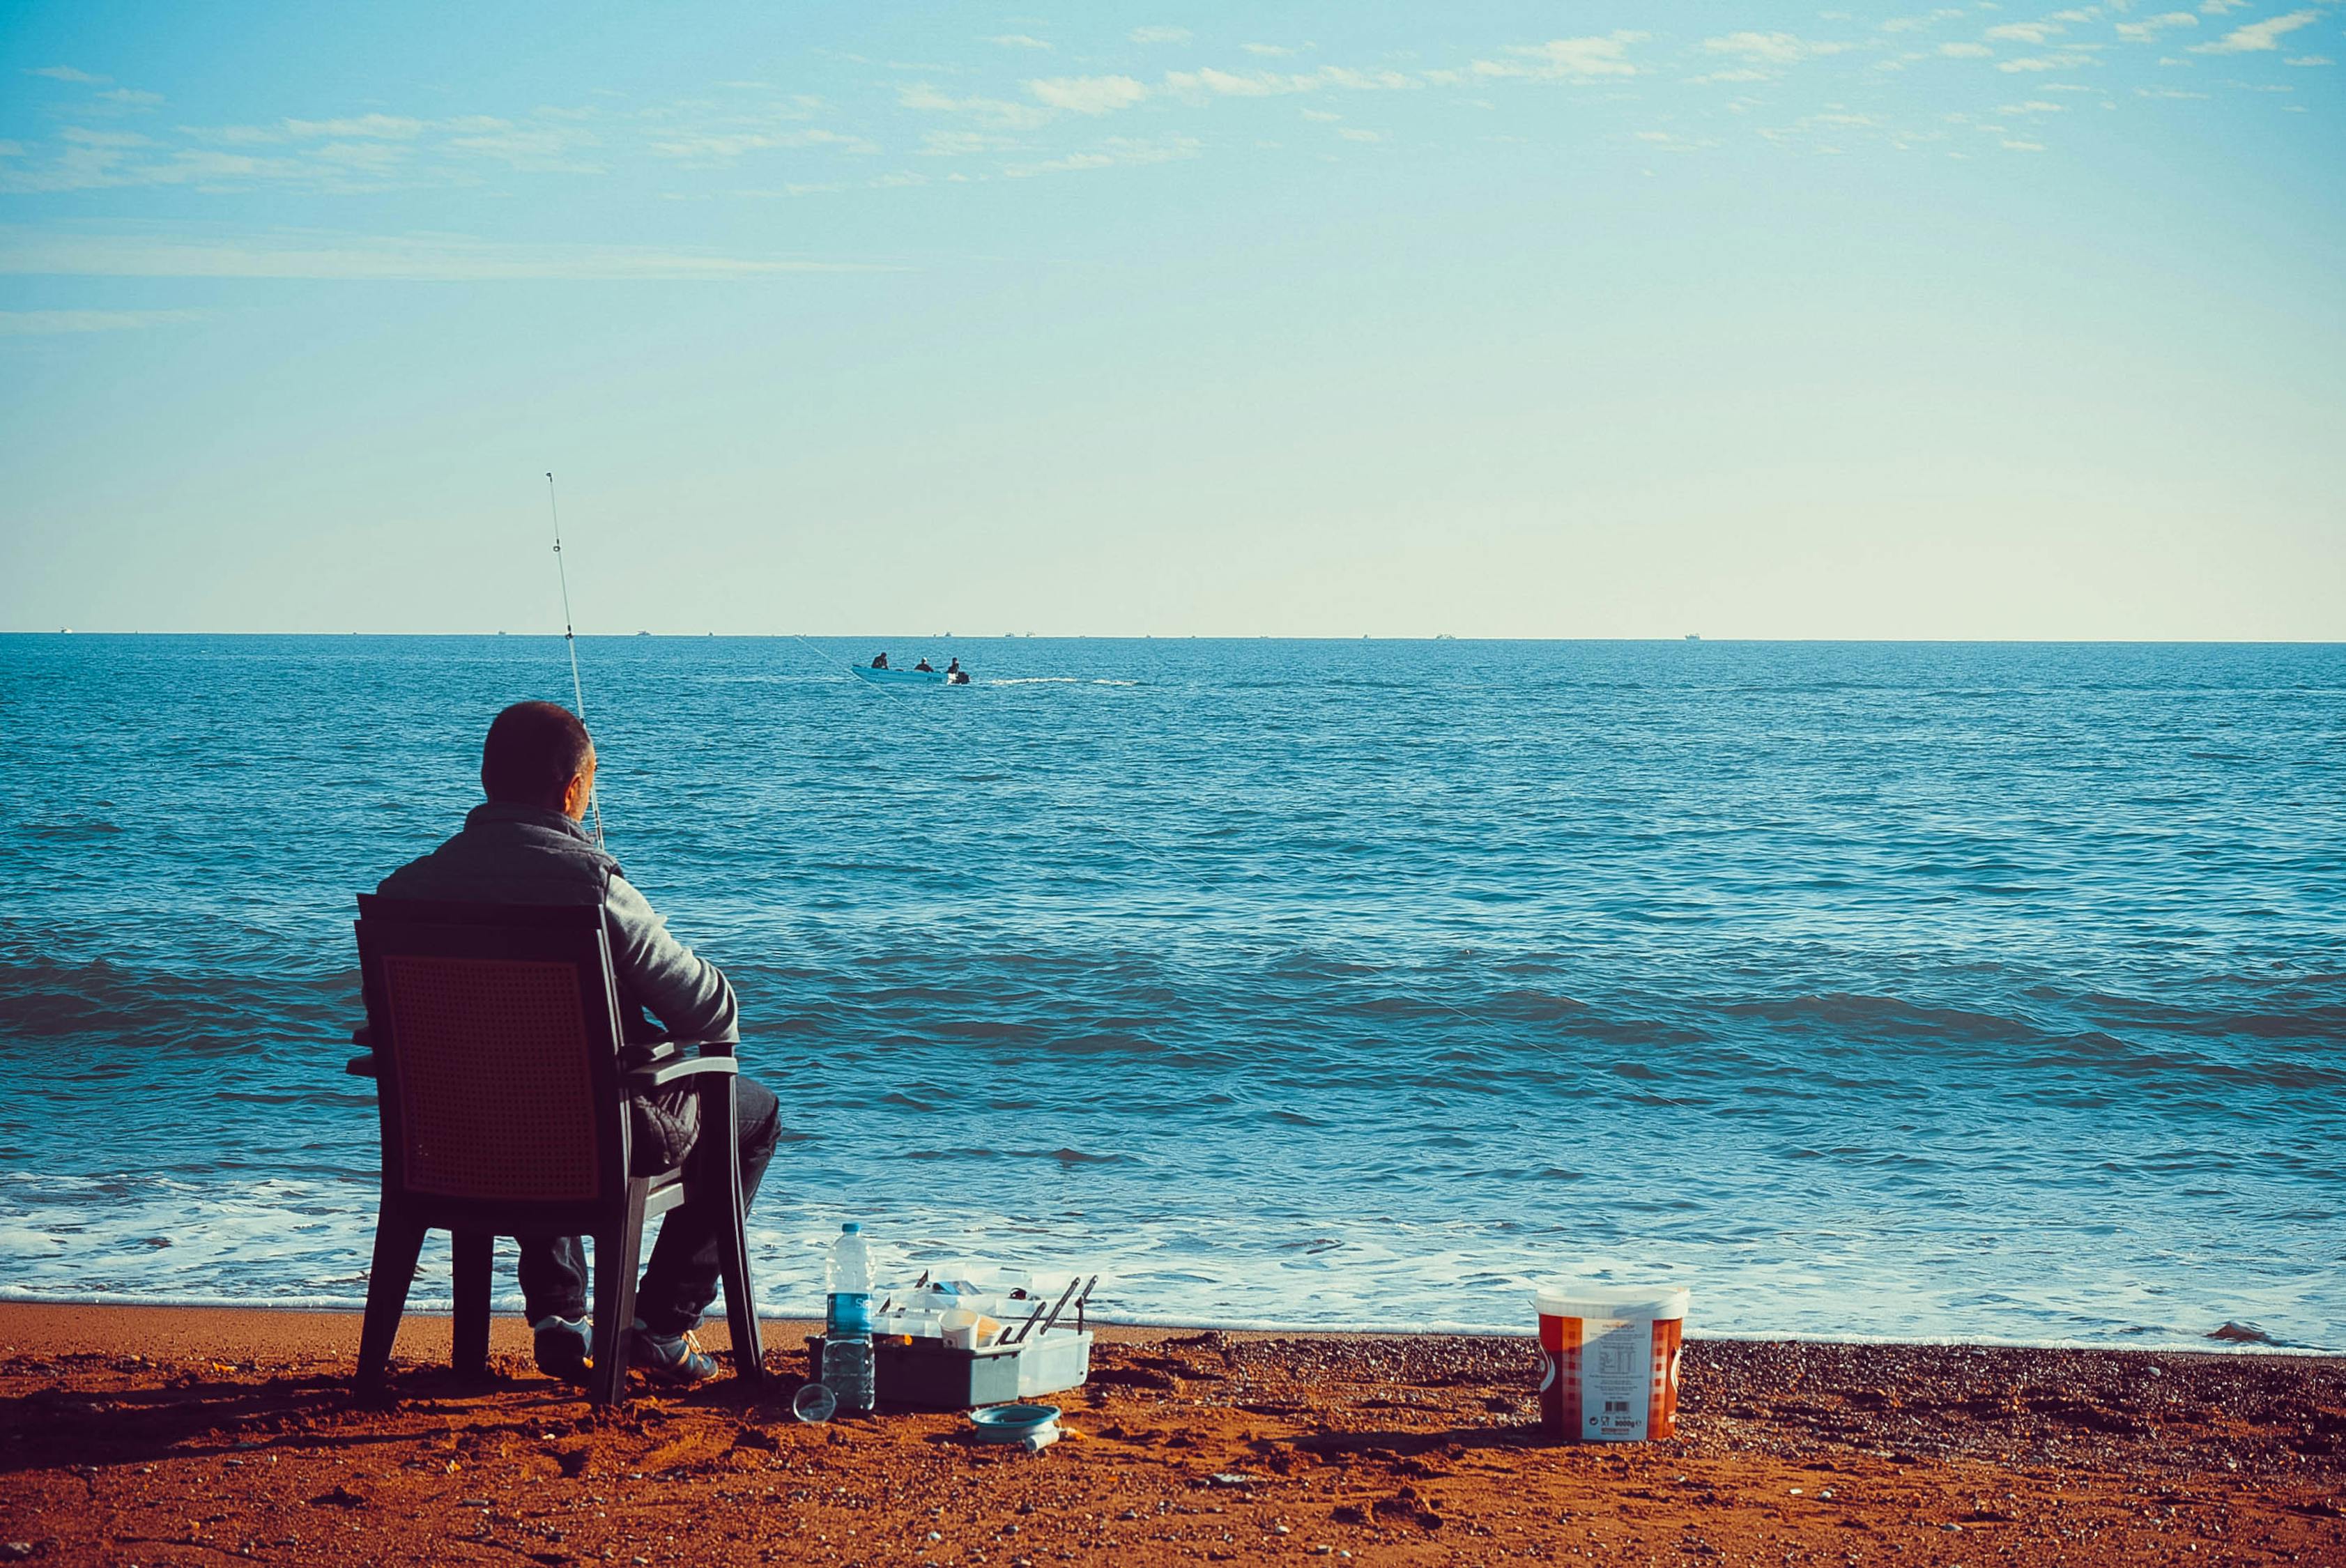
x: 15, y: 1297
x: 172, y: 1435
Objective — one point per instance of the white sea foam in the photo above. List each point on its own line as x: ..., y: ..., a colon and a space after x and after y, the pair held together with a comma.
x: 1365, y: 1277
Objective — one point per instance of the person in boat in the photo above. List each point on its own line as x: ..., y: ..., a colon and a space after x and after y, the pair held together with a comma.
x: 526, y: 846
x: 926, y: 666
x: 880, y: 661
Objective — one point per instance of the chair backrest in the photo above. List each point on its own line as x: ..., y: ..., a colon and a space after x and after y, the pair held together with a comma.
x: 496, y: 1040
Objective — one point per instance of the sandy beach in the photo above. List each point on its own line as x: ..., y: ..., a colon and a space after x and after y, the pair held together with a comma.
x: 162, y: 1436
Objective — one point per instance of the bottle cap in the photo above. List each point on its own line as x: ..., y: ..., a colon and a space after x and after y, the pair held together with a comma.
x: 851, y: 1229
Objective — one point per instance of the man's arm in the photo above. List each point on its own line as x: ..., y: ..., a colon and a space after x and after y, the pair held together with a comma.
x: 687, y: 993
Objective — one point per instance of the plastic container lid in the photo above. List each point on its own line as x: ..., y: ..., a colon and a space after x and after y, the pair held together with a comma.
x: 852, y: 1228
x: 1564, y: 1299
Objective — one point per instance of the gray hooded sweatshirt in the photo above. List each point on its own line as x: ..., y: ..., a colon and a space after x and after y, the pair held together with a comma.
x: 514, y: 854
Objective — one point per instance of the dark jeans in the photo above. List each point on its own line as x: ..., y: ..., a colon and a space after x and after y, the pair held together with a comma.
x: 682, y: 1277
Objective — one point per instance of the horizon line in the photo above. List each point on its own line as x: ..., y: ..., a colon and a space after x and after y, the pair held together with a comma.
x: 1235, y: 637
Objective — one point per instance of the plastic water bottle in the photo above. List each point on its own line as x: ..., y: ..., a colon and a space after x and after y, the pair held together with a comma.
x: 847, y: 1284
x: 848, y: 1369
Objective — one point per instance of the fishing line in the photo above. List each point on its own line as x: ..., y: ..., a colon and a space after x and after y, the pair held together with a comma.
x: 570, y: 637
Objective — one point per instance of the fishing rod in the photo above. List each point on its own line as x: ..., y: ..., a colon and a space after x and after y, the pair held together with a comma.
x: 577, y: 692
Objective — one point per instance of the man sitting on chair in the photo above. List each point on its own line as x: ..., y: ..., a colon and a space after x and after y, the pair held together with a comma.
x: 526, y: 846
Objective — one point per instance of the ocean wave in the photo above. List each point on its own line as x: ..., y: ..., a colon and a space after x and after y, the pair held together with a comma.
x: 1989, y: 993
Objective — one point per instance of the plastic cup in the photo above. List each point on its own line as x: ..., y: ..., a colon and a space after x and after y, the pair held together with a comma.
x: 1609, y: 1360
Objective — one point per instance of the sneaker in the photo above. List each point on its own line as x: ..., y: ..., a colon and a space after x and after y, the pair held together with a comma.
x: 670, y: 1358
x: 563, y: 1348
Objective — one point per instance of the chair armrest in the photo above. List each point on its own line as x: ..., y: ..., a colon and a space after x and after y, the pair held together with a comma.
x: 361, y: 1066
x: 652, y: 1080
x: 651, y: 1053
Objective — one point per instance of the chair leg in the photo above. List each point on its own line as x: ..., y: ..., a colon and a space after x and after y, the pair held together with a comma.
x: 473, y: 1251
x: 724, y: 1176
x: 618, y: 1253
x: 398, y: 1241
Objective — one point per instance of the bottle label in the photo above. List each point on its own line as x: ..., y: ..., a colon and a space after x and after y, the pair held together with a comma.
x: 848, y: 1312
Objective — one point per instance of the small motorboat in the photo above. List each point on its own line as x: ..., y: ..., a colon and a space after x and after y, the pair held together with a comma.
x: 898, y: 677
x: 891, y: 675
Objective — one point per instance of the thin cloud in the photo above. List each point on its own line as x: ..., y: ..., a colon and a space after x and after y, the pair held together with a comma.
x: 1773, y: 48
x: 2148, y: 29
x: 49, y: 323
x: 1926, y: 20
x: 922, y: 96
x: 329, y: 154
x: 1967, y: 51
x: 1211, y: 83
x: 1019, y: 41
x: 379, y: 158
x: 1558, y: 59
x: 724, y: 147
x: 428, y: 258
x: 963, y: 143
x: 1160, y: 35
x: 542, y: 149
x: 355, y: 152
x: 2257, y: 36
x: 66, y: 73
x: 389, y: 127
x: 2061, y: 62
x: 1272, y: 50
x: 1088, y: 95
x: 1113, y: 153
x: 2025, y: 32
x: 2310, y: 60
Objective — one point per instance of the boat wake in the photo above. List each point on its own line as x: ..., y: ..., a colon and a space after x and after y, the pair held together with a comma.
x: 1056, y: 680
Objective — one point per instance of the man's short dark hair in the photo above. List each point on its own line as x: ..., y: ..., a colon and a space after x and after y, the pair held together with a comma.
x: 534, y: 750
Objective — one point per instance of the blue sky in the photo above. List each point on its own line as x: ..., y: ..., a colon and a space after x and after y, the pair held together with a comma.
x: 1557, y: 320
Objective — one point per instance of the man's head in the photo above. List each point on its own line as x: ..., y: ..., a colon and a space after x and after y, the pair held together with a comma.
x: 538, y: 754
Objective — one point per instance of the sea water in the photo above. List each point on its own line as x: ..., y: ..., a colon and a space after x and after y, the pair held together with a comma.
x: 1990, y: 992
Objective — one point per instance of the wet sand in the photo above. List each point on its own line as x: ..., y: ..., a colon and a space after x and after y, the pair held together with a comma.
x: 171, y: 1437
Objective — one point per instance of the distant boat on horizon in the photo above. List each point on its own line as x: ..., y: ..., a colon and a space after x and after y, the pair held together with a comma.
x: 1694, y: 637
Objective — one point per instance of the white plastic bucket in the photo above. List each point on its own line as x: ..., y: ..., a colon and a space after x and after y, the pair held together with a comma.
x: 1609, y: 1360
